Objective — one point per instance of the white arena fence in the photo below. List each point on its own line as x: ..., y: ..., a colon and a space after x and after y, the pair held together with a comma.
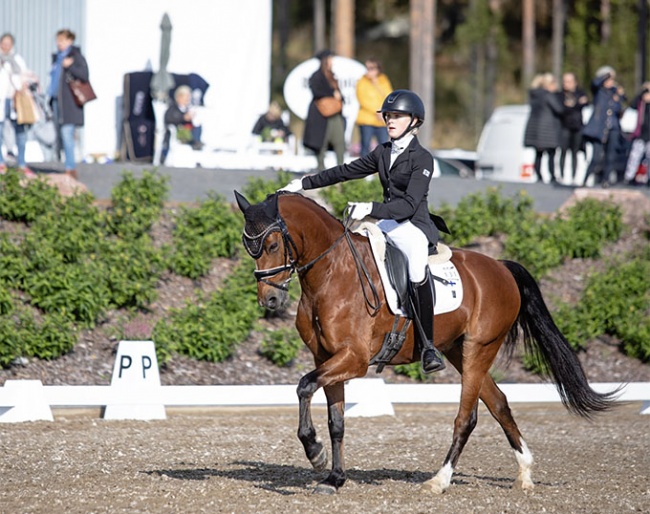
x: 136, y: 393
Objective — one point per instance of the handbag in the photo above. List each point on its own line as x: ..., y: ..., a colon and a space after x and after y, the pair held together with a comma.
x: 25, y: 108
x: 82, y: 92
x: 329, y: 106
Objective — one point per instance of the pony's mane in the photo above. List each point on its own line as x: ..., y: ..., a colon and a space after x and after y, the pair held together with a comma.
x: 310, y: 204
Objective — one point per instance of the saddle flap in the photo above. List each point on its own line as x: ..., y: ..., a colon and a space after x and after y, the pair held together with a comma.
x: 397, y: 269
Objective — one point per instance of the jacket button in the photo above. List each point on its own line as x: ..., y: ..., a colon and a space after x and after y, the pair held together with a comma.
x: 609, y: 112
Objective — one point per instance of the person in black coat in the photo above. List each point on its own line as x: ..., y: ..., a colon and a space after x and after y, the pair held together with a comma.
x: 270, y: 127
x: 574, y: 99
x: 68, y: 63
x: 405, y: 169
x: 640, y: 148
x: 321, y: 130
x: 544, y: 123
x: 603, y: 129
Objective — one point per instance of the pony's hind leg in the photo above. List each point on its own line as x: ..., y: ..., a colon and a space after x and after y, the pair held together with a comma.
x: 497, y: 404
x: 464, y: 423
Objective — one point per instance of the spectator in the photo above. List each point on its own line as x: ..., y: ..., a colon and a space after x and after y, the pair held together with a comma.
x: 13, y: 77
x: 603, y: 129
x: 270, y: 126
x: 640, y: 150
x: 372, y: 88
x: 67, y: 62
x: 544, y: 123
x: 183, y: 116
x: 325, y: 126
x: 574, y: 99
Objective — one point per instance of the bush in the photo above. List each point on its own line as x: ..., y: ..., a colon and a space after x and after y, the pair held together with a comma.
x: 23, y: 200
x: 204, y: 233
x: 23, y: 336
x: 257, y: 189
x: 211, y: 330
x: 338, y: 195
x: 281, y: 347
x: 137, y: 203
x: 487, y: 214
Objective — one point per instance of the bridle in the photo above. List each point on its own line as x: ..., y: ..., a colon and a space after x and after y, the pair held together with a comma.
x: 290, y: 255
x: 291, y: 259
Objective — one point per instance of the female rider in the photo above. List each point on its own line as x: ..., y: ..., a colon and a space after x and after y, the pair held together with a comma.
x: 404, y: 168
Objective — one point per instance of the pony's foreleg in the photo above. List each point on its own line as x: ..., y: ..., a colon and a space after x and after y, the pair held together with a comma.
x: 497, y: 404
x: 314, y: 449
x: 335, y: 419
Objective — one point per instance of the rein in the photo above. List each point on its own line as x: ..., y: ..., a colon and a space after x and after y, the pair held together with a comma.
x: 291, y: 264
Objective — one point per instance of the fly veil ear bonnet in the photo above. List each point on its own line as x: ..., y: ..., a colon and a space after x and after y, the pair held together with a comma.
x: 261, y: 220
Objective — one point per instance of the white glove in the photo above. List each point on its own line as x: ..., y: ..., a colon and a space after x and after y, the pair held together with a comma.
x: 292, y: 187
x: 359, y: 210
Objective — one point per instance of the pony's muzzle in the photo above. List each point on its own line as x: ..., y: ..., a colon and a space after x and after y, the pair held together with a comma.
x: 274, y: 299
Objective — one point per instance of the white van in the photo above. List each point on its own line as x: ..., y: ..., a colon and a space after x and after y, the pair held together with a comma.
x: 501, y: 154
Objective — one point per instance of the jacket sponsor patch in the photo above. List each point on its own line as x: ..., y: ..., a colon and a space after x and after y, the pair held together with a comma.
x: 426, y: 172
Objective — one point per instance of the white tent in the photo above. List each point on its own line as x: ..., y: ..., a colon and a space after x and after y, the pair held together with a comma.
x: 226, y: 43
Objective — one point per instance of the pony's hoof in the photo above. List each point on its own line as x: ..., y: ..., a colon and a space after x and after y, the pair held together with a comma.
x: 320, y: 461
x: 525, y: 485
x: 325, y: 489
x: 433, y: 486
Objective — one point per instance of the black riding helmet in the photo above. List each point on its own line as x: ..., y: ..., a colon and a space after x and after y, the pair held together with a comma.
x: 403, y: 100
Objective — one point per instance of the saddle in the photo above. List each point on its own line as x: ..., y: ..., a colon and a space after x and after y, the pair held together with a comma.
x: 393, y: 268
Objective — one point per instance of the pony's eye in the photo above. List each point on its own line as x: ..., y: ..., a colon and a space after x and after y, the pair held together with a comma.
x: 273, y: 247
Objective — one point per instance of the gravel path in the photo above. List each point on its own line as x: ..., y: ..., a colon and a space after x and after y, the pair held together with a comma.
x: 250, y: 461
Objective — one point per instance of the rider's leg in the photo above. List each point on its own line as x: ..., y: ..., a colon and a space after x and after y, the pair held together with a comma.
x: 423, y: 296
x: 412, y: 241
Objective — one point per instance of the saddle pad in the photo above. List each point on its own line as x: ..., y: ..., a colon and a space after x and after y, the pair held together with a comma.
x: 448, y: 296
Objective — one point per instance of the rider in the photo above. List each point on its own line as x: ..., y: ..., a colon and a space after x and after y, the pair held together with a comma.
x: 404, y: 168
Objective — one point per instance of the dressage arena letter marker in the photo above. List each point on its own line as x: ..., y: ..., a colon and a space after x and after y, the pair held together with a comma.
x: 135, y: 386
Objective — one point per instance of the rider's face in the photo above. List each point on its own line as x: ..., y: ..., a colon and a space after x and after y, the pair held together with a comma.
x: 396, y: 123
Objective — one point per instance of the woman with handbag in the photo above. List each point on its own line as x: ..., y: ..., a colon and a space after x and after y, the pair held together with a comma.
x: 13, y: 71
x: 67, y: 64
x: 325, y: 124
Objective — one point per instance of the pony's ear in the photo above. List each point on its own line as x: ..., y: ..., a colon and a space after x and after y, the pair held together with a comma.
x: 242, y: 202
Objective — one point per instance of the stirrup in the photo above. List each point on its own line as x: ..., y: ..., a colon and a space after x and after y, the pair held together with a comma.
x: 434, y: 361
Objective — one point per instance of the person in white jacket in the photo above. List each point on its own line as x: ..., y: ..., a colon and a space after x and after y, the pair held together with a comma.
x: 12, y: 78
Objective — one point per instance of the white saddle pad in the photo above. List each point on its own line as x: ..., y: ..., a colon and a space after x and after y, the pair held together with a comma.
x: 449, y: 296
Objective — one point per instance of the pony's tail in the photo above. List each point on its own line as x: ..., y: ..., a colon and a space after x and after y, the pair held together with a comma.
x: 544, y: 339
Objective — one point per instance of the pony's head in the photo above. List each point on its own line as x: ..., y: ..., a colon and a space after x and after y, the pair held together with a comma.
x: 267, y: 241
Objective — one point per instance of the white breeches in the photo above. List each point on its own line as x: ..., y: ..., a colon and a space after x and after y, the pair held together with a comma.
x: 412, y: 241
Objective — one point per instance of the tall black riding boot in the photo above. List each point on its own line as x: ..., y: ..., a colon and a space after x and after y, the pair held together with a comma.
x: 423, y: 296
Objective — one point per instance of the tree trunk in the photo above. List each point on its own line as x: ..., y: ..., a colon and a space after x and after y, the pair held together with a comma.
x: 422, y: 70
x: 528, y: 31
x: 606, y: 21
x: 559, y: 17
x: 319, y: 25
x: 343, y: 16
x: 491, y: 61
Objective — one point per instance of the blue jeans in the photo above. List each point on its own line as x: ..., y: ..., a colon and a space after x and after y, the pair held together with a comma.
x: 21, y: 135
x: 603, y: 160
x: 367, y: 133
x: 65, y: 137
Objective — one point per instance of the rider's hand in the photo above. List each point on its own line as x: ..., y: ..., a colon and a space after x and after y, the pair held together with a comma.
x: 292, y: 187
x: 359, y: 210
